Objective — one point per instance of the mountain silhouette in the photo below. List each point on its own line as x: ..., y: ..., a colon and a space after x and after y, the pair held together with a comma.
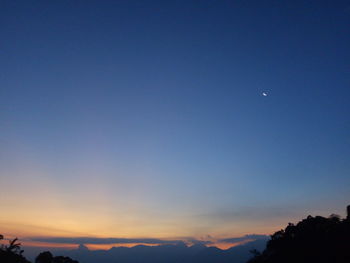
x: 171, y: 253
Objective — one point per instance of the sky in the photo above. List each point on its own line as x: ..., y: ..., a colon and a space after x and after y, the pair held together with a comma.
x: 147, y: 119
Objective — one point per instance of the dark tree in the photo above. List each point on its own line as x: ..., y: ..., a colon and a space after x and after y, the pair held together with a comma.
x: 44, y: 257
x: 314, y: 239
x: 12, y: 253
x: 61, y: 259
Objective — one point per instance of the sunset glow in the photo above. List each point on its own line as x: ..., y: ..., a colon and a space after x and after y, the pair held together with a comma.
x: 208, y: 123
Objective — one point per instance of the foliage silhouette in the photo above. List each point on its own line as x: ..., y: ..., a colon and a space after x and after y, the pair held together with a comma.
x: 46, y: 257
x: 12, y: 253
x: 314, y: 239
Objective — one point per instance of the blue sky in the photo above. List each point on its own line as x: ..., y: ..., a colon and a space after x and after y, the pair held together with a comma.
x: 149, y: 115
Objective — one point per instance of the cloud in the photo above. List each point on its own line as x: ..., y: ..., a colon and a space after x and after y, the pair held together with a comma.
x: 112, y: 240
x: 97, y: 240
x: 243, y: 238
x: 199, y: 242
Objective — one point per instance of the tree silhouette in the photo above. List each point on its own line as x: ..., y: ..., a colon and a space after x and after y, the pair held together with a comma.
x: 12, y: 253
x: 46, y: 257
x: 314, y: 239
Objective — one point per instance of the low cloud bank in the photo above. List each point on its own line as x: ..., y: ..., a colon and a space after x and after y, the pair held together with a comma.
x: 100, y: 241
x: 243, y: 238
x: 97, y: 240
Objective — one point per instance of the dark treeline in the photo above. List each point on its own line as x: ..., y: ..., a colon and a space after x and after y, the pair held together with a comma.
x: 314, y: 239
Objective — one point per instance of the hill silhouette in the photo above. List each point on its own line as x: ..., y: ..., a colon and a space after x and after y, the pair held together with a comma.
x: 314, y: 239
x: 171, y: 253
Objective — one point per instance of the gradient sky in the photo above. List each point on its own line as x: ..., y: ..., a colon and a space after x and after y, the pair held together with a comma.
x: 134, y: 119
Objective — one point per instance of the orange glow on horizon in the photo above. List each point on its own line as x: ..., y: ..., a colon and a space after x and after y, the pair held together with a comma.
x: 109, y: 246
x: 25, y: 243
x: 48, y: 244
x: 225, y: 246
x: 75, y: 246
